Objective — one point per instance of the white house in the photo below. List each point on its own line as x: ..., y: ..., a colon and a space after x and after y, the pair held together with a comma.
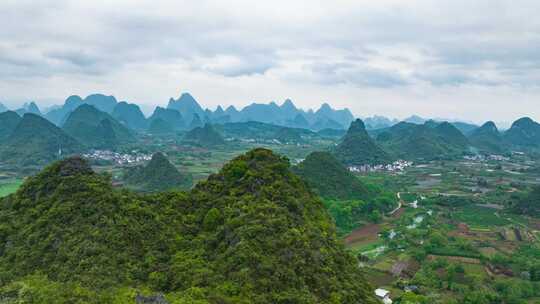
x: 383, y: 295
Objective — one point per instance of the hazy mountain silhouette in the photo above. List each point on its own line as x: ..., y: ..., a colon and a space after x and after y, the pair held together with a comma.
x: 96, y: 129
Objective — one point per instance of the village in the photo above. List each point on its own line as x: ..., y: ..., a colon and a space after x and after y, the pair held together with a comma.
x: 118, y: 158
x: 396, y: 166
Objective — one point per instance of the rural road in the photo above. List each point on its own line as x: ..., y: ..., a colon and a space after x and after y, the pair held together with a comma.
x: 399, y: 204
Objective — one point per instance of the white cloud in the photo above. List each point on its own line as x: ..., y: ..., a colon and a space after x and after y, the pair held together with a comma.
x: 435, y: 58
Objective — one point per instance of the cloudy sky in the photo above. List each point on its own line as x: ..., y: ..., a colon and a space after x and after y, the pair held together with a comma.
x: 473, y: 60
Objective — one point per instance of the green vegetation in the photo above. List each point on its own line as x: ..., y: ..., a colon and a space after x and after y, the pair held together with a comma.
x: 170, y: 116
x: 9, y: 186
x: 358, y: 148
x: 529, y: 204
x: 36, y: 142
x: 465, y: 240
x: 252, y: 233
x: 96, y: 129
x: 205, y: 136
x: 8, y: 122
x: 350, y: 214
x: 350, y: 201
x: 159, y: 126
x: 428, y: 141
x: 329, y: 179
x: 130, y: 115
x: 478, y: 216
x: 524, y: 134
x: 253, y: 130
x: 158, y: 175
x: 487, y: 138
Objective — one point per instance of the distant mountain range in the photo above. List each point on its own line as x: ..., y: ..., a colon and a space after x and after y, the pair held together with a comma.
x: 30, y: 107
x: 185, y: 113
x: 192, y: 114
x: 101, y: 122
x: 379, y: 122
x: 433, y: 140
x: 430, y: 140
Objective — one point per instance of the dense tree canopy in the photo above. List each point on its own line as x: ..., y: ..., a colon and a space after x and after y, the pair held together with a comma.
x: 8, y: 122
x: 158, y: 175
x: 431, y: 140
x: 358, y: 148
x: 205, y: 136
x: 35, y: 141
x: 530, y: 203
x: 252, y: 233
x: 96, y: 129
x: 329, y: 178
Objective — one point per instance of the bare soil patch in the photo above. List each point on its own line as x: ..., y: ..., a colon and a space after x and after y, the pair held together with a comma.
x: 363, y: 234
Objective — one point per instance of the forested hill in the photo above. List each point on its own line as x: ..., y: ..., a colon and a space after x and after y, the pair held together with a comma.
x: 205, y: 136
x: 158, y: 175
x: 252, y: 233
x: 96, y: 129
x: 358, y: 148
x: 35, y: 142
x: 329, y: 178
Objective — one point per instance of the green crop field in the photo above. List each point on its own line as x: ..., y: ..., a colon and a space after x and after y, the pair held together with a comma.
x: 477, y: 216
x: 9, y: 186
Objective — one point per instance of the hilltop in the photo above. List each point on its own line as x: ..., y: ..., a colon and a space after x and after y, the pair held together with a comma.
x: 158, y: 175
x: 487, y: 138
x: 286, y: 114
x: 30, y: 107
x: 252, y: 233
x: 35, y: 141
x: 130, y: 115
x: 432, y: 140
x: 205, y: 136
x: 101, y: 102
x: 329, y: 178
x: 187, y: 106
x: 170, y: 116
x: 358, y: 148
x: 524, y: 134
x: 96, y: 129
x: 186, y: 112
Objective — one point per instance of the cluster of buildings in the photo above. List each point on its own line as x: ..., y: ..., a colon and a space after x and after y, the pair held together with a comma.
x: 396, y: 166
x: 118, y: 158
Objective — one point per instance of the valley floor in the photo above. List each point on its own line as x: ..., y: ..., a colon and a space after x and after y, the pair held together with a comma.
x: 454, y: 236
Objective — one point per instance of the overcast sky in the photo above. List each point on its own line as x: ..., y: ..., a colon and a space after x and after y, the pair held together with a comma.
x: 473, y: 60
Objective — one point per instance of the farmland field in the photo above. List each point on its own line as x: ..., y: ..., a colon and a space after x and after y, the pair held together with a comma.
x: 9, y: 186
x: 461, y: 233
